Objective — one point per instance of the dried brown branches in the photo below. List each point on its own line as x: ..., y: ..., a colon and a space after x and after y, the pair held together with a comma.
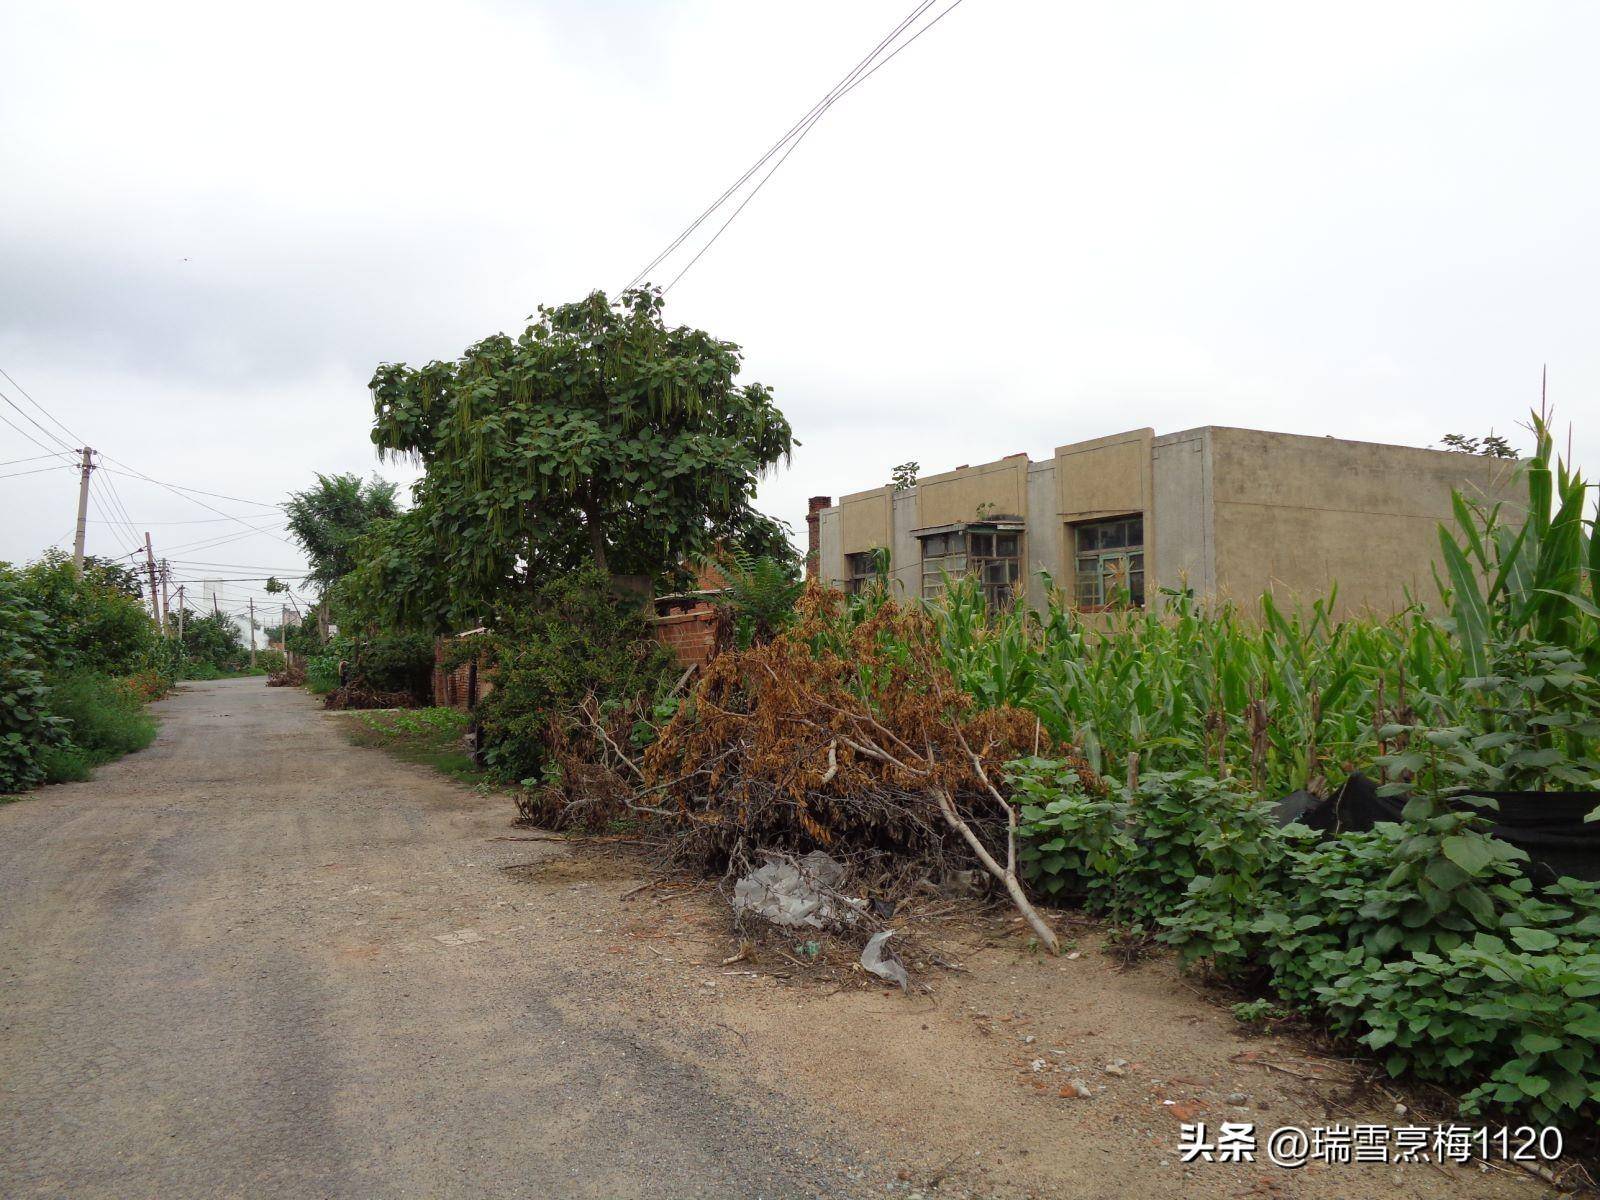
x: 846, y: 734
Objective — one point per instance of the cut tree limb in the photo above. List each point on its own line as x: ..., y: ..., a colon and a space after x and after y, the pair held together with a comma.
x: 947, y: 806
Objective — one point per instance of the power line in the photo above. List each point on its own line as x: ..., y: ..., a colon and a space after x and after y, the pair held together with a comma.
x: 42, y: 408
x: 37, y: 471
x: 131, y: 473
x: 795, y: 145
x: 179, y: 490
x: 28, y: 435
x: 34, y: 458
x: 814, y: 111
x: 797, y: 133
x: 51, y: 434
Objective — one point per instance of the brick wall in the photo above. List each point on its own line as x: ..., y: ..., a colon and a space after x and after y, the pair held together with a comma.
x: 465, y: 685
x: 814, y: 535
x: 691, y: 635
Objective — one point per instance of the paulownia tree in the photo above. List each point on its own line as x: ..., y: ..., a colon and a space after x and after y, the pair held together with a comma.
x: 599, y: 434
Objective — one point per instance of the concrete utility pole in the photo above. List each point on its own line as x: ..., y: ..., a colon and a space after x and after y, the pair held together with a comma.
x: 83, y: 509
x: 180, y: 616
x: 166, y: 611
x: 150, y: 564
x: 252, y: 633
x: 216, y: 605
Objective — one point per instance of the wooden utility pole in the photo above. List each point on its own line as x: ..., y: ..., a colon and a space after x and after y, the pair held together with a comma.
x: 252, y: 633
x: 83, y: 509
x: 166, y: 611
x: 150, y: 564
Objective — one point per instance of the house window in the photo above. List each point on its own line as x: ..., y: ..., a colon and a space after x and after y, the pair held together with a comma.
x: 860, y: 570
x: 942, y: 554
x: 991, y: 553
x: 1109, y: 563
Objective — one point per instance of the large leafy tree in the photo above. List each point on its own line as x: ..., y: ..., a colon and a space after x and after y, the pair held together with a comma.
x: 328, y: 519
x: 598, y: 435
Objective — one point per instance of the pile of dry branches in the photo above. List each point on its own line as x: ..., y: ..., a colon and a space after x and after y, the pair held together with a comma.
x: 293, y: 675
x: 846, y: 734
x: 356, y: 696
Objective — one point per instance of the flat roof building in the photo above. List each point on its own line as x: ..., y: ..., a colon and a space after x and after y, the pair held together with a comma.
x: 1228, y: 513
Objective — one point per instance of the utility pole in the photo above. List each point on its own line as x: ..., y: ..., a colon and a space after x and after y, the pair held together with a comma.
x: 252, y: 633
x: 180, y: 618
x: 83, y: 509
x: 150, y: 563
x: 216, y: 605
x: 166, y: 611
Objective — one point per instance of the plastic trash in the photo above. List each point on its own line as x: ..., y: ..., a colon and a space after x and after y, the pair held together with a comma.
x: 794, y: 892
x: 881, y: 962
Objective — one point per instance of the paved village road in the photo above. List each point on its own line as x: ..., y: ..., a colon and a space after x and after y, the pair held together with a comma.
x: 222, y: 975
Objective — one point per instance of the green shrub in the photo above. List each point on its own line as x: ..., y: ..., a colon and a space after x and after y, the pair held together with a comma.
x: 104, y: 719
x: 565, y: 641
x: 28, y: 730
x: 322, y: 673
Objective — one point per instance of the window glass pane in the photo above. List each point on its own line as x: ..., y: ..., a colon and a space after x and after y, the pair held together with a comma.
x: 1005, y: 544
x: 982, y: 543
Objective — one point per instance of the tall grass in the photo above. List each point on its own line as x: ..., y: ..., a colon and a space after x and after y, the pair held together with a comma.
x: 106, y: 719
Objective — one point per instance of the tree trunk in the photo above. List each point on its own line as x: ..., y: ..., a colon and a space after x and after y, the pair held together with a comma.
x: 597, y: 535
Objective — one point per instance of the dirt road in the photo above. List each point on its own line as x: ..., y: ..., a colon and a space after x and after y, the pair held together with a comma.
x: 255, y: 960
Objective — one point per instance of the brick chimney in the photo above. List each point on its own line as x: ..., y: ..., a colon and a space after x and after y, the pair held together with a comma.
x: 813, y: 537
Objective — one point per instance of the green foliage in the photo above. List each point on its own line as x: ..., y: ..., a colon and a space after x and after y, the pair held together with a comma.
x: 761, y: 593
x: 211, y: 646
x: 571, y: 639
x: 1537, y: 578
x: 599, y: 434
x: 103, y: 717
x: 330, y: 518
x: 29, y: 732
x: 904, y: 476
x: 1491, y: 444
x: 431, y: 737
x: 92, y: 622
x: 1282, y: 700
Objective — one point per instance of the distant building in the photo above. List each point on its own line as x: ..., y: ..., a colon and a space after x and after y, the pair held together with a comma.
x: 1228, y: 513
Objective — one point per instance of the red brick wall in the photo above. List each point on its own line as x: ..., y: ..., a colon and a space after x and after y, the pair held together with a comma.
x: 453, y: 689
x: 814, y: 535
x: 692, y: 635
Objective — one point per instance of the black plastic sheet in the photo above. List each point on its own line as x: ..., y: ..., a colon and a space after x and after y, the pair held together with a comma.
x: 1550, y: 826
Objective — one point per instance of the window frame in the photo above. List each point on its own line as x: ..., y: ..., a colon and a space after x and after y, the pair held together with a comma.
x: 1126, y: 535
x: 855, y: 580
x: 973, y: 547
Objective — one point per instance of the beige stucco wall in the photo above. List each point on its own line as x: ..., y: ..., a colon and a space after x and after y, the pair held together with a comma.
x: 830, y: 546
x: 864, y: 520
x: 1042, y: 538
x: 1294, y: 515
x: 905, y: 552
x: 1181, y: 515
x: 956, y: 495
x: 1103, y: 477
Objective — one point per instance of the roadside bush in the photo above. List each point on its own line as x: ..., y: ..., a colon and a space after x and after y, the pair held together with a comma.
x: 93, y: 622
x: 104, y: 719
x: 571, y: 640
x: 322, y: 673
x: 28, y: 730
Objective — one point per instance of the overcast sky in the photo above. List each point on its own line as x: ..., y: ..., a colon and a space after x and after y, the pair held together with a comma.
x: 1042, y: 222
